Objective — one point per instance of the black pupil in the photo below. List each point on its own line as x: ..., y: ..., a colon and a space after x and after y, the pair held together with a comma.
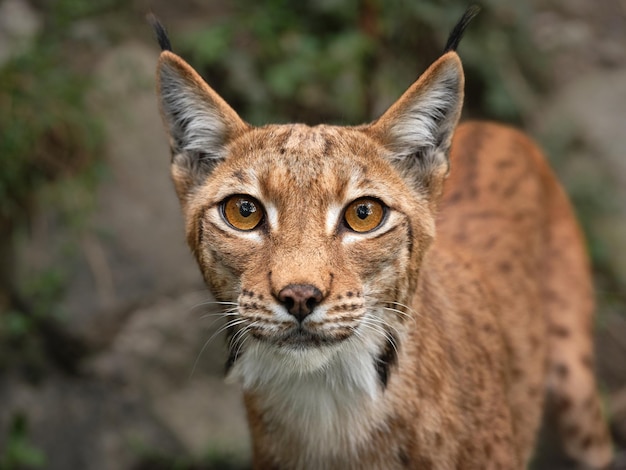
x: 363, y: 211
x: 246, y: 208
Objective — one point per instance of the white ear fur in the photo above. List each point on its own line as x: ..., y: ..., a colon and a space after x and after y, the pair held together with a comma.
x: 198, y: 120
x: 421, y: 123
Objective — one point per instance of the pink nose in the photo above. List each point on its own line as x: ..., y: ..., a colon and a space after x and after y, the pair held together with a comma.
x: 300, y: 299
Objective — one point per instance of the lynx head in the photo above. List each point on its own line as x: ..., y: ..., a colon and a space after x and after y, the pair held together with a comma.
x: 315, y: 234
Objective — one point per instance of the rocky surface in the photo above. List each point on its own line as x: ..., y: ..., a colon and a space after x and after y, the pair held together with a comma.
x: 169, y: 353
x: 587, y: 116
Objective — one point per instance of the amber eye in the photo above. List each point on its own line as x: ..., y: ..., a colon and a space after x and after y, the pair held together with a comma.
x: 364, y: 214
x: 242, y: 212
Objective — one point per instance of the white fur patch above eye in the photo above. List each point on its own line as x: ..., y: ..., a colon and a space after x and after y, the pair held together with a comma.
x: 333, y: 217
x: 272, y: 216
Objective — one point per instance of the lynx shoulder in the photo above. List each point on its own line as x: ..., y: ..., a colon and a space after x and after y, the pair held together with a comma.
x: 407, y: 291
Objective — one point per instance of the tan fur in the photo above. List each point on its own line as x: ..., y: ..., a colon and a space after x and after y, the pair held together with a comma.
x: 441, y: 330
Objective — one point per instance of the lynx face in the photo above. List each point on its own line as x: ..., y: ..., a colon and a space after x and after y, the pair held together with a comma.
x: 297, y: 228
x: 316, y: 233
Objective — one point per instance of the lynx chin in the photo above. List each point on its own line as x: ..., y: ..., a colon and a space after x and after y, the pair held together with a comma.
x: 406, y: 293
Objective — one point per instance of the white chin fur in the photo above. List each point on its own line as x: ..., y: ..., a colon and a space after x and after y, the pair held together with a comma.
x: 323, y: 401
x: 347, y: 366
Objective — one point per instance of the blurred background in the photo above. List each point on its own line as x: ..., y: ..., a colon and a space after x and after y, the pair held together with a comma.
x: 106, y: 356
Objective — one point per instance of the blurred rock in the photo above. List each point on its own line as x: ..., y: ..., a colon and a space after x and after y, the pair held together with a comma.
x: 144, y: 394
x: 142, y: 241
x: 80, y: 424
x: 207, y: 416
x: 618, y: 415
x: 589, y: 112
x: 611, y: 344
x: 168, y: 353
x: 579, y: 36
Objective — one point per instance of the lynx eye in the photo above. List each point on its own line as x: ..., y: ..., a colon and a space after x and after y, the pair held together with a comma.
x: 364, y: 214
x: 242, y: 212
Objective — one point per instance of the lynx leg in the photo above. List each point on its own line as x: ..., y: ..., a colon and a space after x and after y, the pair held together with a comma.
x: 569, y: 301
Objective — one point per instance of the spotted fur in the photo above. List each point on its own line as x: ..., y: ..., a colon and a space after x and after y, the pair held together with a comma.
x: 437, y: 333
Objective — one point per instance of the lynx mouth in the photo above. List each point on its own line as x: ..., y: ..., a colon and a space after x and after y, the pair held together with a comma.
x: 301, y: 337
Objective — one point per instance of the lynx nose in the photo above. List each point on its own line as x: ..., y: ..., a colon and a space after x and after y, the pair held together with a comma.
x: 300, y: 299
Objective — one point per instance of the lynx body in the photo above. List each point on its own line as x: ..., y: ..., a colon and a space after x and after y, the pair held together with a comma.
x: 405, y: 291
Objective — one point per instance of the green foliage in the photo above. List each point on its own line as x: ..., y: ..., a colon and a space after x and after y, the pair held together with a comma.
x: 43, y: 291
x: 18, y: 452
x: 23, y: 345
x: 46, y: 133
x: 16, y: 325
x: 152, y: 459
x: 345, y: 61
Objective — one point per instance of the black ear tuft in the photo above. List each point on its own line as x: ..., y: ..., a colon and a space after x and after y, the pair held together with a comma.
x: 457, y: 33
x: 161, y: 33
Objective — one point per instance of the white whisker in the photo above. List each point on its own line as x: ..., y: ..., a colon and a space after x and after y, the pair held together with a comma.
x: 210, y: 303
x: 408, y: 309
x: 243, y: 341
x: 377, y: 324
x: 226, y: 313
x: 220, y: 316
x: 241, y: 337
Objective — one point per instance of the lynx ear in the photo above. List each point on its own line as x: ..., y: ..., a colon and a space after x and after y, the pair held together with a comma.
x: 199, y: 122
x: 418, y: 128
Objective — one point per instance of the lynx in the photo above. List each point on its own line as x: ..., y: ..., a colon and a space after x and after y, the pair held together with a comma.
x: 404, y: 293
